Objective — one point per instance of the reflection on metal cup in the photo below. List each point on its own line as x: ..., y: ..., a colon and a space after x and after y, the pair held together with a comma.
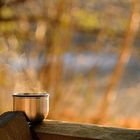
x: 35, y: 106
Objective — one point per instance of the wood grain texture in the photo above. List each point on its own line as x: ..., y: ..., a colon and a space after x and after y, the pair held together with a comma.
x: 13, y: 126
x: 43, y: 136
x: 77, y: 130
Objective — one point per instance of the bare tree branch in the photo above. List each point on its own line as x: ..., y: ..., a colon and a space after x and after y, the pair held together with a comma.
x: 123, y: 59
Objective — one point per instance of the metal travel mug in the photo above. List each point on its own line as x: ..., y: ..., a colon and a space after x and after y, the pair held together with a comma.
x: 35, y: 106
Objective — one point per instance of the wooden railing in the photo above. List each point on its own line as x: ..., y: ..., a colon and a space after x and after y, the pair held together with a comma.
x: 58, y: 130
x: 13, y: 126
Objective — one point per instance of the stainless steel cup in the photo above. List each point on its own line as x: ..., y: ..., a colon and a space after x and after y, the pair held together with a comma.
x: 35, y: 106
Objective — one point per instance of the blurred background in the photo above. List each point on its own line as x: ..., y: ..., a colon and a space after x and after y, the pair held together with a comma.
x: 84, y: 53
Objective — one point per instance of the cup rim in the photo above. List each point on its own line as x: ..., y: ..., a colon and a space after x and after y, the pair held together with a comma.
x: 28, y: 94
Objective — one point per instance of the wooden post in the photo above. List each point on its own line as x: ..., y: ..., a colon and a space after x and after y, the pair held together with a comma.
x: 13, y: 126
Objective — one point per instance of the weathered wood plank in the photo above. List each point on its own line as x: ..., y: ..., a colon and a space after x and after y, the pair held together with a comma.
x: 44, y: 136
x: 13, y: 126
x: 86, y: 131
